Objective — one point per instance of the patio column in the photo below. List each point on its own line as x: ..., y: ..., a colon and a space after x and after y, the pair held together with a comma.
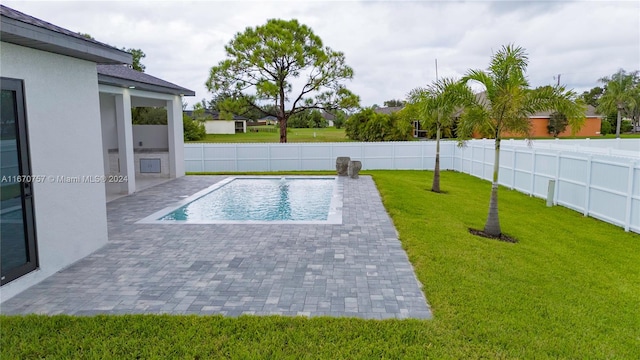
x: 125, y: 141
x: 176, y: 137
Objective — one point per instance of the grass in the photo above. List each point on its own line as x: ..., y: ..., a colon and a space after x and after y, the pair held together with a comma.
x: 623, y: 136
x: 569, y: 289
x: 271, y: 134
x: 329, y: 134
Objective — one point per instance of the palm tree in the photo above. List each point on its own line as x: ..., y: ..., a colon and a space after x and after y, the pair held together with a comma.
x: 436, y: 105
x: 505, y: 106
x: 619, y: 95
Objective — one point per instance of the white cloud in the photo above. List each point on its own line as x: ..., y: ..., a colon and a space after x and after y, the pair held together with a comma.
x: 390, y: 45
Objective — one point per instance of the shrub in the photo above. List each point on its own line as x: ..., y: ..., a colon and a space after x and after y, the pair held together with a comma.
x: 339, y: 121
x: 367, y: 125
x: 307, y: 119
x: 605, y: 127
x: 557, y: 123
x: 193, y: 129
x: 626, y: 126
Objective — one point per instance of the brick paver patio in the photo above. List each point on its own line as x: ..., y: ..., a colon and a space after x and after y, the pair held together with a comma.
x: 354, y: 269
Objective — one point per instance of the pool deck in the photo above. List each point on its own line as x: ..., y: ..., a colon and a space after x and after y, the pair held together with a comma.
x: 354, y: 269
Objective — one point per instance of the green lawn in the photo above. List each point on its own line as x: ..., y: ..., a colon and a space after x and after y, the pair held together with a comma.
x: 267, y: 135
x: 271, y: 135
x: 570, y: 288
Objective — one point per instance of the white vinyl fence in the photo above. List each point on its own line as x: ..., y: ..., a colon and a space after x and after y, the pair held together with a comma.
x: 603, y: 186
x: 314, y: 156
x: 598, y: 181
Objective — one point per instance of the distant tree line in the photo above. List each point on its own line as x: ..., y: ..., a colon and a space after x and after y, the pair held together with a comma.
x: 618, y: 100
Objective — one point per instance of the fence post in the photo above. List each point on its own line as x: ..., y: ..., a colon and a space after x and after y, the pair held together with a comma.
x: 555, y: 194
x: 627, y: 220
x: 471, y: 151
x: 202, y: 153
x: 587, y: 186
x: 533, y: 171
x: 235, y: 148
x: 484, y: 159
x: 300, y: 156
x: 422, y: 155
x: 393, y: 155
x: 513, y: 167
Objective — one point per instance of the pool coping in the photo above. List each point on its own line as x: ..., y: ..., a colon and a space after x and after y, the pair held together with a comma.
x: 334, y: 216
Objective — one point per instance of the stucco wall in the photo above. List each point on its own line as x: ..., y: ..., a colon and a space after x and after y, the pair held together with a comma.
x: 591, y: 128
x: 151, y: 137
x: 63, y: 119
x: 220, y: 127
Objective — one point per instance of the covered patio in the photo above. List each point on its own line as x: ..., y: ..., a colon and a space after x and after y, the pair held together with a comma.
x: 138, y: 156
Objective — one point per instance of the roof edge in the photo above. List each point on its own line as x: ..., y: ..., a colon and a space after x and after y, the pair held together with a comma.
x: 127, y: 83
x: 32, y: 36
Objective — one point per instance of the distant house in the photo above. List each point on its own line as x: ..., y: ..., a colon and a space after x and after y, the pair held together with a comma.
x: 418, y: 131
x: 388, y: 110
x: 540, y: 121
x: 329, y: 117
x: 268, y: 120
x: 66, y: 107
x: 215, y: 124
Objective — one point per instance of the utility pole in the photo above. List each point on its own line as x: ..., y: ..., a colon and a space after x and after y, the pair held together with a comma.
x: 559, y: 79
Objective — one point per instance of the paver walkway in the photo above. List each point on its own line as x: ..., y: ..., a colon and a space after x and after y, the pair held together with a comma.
x: 354, y: 269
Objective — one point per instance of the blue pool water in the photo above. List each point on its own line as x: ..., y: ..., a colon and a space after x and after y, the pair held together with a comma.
x: 259, y: 199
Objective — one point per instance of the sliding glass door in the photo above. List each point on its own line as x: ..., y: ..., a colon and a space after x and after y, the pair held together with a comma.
x: 18, y: 255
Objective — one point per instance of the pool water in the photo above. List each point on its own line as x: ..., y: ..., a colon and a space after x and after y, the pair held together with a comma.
x: 259, y: 199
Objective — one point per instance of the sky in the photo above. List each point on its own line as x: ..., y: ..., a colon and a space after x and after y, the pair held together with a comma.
x: 392, y: 46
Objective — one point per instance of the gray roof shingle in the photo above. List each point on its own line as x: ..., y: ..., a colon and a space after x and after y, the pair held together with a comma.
x: 124, y: 76
x: 25, y: 30
x: 388, y: 110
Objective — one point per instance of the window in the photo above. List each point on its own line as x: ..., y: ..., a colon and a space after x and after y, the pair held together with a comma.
x: 18, y: 255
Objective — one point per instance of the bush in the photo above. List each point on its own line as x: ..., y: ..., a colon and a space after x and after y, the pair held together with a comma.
x: 193, y: 129
x: 367, y: 125
x: 605, y: 127
x: 557, y: 124
x: 307, y: 119
x: 339, y: 121
x: 626, y: 126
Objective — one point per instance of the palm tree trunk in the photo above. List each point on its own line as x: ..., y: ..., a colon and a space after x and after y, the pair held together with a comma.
x: 492, y: 226
x: 435, y: 187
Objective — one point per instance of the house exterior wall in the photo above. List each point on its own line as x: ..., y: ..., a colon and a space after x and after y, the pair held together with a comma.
x: 109, y: 129
x: 220, y: 127
x: 151, y: 137
x: 64, y: 130
x: 591, y: 128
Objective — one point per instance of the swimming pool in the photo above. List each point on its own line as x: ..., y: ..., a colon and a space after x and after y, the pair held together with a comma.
x: 265, y: 199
